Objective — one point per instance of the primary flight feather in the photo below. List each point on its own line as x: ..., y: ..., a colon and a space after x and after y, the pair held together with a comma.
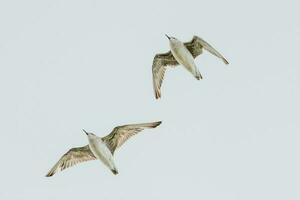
x: 100, y: 148
x: 180, y: 53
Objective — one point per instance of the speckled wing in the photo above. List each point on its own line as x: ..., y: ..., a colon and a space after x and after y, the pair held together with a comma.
x: 120, y: 134
x: 196, y: 45
x: 71, y: 158
x: 159, y: 66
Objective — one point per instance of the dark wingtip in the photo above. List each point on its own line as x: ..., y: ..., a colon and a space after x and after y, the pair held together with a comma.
x: 157, y: 124
x: 49, y: 175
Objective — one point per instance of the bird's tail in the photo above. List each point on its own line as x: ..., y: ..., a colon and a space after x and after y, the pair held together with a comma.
x: 198, y: 75
x: 114, y: 171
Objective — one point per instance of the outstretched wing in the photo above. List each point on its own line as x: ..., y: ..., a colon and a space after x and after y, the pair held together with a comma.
x: 195, y: 47
x: 72, y: 157
x: 160, y: 63
x: 122, y: 133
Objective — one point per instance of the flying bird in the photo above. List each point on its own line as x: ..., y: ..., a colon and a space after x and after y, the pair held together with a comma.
x: 181, y: 53
x: 101, y: 148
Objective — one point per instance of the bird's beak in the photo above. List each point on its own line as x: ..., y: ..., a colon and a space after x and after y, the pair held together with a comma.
x: 85, y: 132
x: 167, y: 36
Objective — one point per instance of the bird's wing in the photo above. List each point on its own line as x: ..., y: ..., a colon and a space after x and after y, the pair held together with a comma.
x: 72, y: 157
x: 195, y: 47
x: 121, y: 133
x: 160, y: 63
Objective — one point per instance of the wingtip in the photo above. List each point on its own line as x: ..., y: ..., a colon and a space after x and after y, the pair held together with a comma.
x: 225, y: 61
x: 49, y: 175
x: 157, y: 123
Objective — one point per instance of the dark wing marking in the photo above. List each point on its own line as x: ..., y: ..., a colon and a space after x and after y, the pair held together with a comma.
x: 72, y: 157
x: 160, y: 63
x: 122, y: 133
x: 196, y: 45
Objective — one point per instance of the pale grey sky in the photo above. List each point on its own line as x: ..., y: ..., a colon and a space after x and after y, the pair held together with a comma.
x: 68, y: 65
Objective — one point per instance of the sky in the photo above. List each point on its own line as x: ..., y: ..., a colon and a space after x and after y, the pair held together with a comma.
x: 68, y: 65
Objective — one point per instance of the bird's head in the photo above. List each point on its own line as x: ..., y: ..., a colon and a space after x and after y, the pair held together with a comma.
x: 171, y: 38
x: 89, y: 134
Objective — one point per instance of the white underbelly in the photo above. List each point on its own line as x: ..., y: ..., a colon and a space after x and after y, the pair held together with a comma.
x: 101, y: 152
x: 185, y: 58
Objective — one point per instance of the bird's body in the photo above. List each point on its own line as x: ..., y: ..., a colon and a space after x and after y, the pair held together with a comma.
x: 100, y: 148
x: 184, y: 57
x: 183, y: 54
x: 101, y: 151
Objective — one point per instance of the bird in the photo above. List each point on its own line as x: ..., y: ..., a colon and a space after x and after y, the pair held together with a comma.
x: 183, y: 54
x: 101, y: 148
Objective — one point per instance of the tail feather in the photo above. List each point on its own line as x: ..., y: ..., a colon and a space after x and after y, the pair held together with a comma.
x: 198, y: 75
x: 114, y: 171
x: 225, y: 61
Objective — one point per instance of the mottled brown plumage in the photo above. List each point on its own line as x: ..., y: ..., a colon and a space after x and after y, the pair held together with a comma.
x: 161, y: 61
x: 159, y: 66
x: 196, y: 46
x: 110, y: 142
x: 71, y: 158
x: 120, y: 134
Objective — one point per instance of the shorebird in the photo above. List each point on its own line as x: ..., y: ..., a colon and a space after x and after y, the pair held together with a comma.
x: 100, y: 148
x: 181, y: 53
